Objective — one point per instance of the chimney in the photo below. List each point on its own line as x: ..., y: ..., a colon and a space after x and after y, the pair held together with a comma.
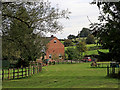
x: 52, y: 36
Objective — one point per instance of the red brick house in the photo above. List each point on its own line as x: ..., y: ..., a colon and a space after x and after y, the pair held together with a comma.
x: 55, y: 49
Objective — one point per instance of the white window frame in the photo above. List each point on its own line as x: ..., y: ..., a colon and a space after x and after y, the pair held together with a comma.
x: 50, y: 56
x: 60, y: 56
x: 55, y: 41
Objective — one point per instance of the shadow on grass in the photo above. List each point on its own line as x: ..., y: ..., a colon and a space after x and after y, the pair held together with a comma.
x: 115, y: 76
x: 97, y: 67
x: 17, y: 78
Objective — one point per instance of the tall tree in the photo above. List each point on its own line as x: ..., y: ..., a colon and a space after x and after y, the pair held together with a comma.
x: 109, y: 27
x: 72, y: 54
x: 71, y: 36
x: 81, y: 47
x: 90, y: 39
x: 68, y: 42
x: 84, y: 32
x: 24, y: 25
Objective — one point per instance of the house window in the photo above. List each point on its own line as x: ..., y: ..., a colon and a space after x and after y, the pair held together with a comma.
x: 55, y: 41
x: 50, y: 56
x: 60, y: 57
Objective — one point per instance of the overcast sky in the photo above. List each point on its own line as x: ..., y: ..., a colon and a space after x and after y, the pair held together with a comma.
x: 78, y: 18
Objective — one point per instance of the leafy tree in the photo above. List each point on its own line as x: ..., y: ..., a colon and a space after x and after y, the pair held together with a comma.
x: 42, y: 16
x: 90, y: 39
x: 71, y: 36
x: 68, y: 42
x: 24, y: 45
x: 72, y: 54
x: 108, y: 30
x: 81, y: 47
x: 84, y: 32
x: 23, y: 27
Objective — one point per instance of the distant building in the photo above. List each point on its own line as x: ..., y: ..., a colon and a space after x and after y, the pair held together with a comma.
x: 55, y: 49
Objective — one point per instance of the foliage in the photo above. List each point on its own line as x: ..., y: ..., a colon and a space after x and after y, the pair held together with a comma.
x: 67, y: 43
x: 72, y: 54
x: 104, y: 56
x: 42, y: 16
x: 24, y: 25
x: 81, y: 47
x: 84, y: 32
x: 108, y: 30
x: 24, y: 45
x: 71, y: 36
x: 90, y: 39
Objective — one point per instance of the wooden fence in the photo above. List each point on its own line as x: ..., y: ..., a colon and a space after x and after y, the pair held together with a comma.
x: 63, y: 62
x: 15, y: 73
x: 113, y: 70
x: 68, y: 62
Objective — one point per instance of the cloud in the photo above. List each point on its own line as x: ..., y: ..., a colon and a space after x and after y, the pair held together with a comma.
x: 78, y: 19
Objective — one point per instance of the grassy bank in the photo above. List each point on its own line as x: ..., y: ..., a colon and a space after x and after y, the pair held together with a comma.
x: 95, y: 52
x: 91, y: 52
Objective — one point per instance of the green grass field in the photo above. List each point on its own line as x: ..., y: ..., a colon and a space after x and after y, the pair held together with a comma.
x: 91, y: 52
x: 66, y: 76
x: 95, y: 52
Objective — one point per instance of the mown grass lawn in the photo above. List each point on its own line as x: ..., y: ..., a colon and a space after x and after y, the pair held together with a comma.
x: 66, y: 76
x: 95, y: 52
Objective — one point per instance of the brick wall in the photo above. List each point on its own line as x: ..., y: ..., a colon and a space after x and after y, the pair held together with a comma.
x: 55, y: 48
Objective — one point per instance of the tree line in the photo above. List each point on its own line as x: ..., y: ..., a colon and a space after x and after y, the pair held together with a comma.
x: 85, y: 36
x: 107, y: 30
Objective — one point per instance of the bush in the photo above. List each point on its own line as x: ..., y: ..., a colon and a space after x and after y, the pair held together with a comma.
x: 24, y: 63
x: 5, y: 64
x: 68, y: 43
x: 90, y: 39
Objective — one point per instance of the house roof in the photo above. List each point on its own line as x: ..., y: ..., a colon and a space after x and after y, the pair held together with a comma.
x: 49, y: 38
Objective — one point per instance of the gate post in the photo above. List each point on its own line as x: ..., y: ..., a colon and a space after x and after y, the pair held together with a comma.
x: 107, y: 70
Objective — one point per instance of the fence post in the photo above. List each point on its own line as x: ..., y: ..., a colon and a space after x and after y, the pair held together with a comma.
x: 71, y: 61
x: 119, y: 71
x: 2, y: 74
x: 62, y: 62
x: 102, y: 65
x: 8, y: 74
x: 22, y: 71
x: 40, y: 67
x: 113, y: 70
x: 13, y: 73
x: 33, y: 70
x: 37, y: 69
x: 107, y: 70
x: 25, y: 71
x: 28, y: 70
x: 18, y: 73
